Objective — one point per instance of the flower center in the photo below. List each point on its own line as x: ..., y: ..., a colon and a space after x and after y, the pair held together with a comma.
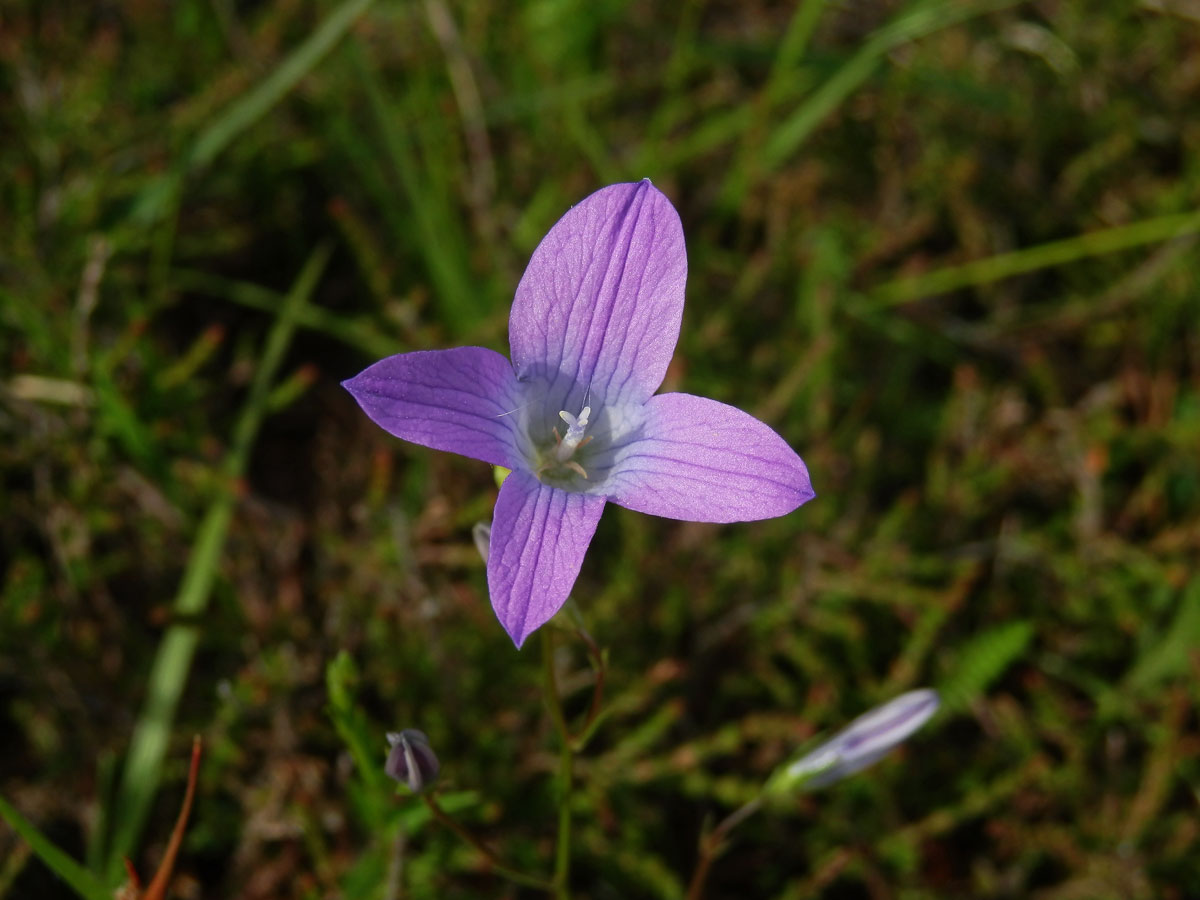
x: 566, y: 445
x: 574, y: 437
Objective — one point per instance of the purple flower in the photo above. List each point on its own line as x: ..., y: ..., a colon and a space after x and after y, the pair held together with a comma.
x: 574, y: 416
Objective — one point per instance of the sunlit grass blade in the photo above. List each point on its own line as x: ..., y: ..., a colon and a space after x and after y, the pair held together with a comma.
x: 158, y: 195
x: 361, y: 333
x: 80, y: 880
x: 425, y: 217
x: 795, y: 42
x: 794, y: 129
x: 255, y: 104
x: 169, y: 674
x: 786, y: 80
x: 1042, y: 256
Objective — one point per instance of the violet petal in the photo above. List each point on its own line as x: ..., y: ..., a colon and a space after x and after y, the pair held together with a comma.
x: 539, y: 537
x: 704, y: 461
x: 458, y: 400
x: 600, y: 303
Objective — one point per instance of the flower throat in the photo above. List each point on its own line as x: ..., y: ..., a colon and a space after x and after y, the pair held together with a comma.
x: 562, y: 456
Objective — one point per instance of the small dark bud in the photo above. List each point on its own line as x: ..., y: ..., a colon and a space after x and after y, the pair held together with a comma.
x: 411, y: 760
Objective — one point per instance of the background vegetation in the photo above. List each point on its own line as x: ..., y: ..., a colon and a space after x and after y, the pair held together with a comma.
x: 948, y: 249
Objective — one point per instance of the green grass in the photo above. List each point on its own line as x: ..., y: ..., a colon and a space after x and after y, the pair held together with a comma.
x: 947, y: 250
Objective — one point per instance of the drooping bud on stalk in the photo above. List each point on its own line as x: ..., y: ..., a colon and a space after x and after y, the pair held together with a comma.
x: 863, y: 742
x: 411, y: 759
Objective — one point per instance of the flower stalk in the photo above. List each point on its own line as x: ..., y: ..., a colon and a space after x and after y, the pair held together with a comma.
x: 860, y: 744
x: 566, y: 764
x: 498, y: 866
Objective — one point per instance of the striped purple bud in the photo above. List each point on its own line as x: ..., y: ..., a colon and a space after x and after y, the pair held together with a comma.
x: 411, y: 759
x: 863, y: 742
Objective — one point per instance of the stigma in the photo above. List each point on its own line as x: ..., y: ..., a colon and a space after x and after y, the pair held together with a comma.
x: 576, y: 437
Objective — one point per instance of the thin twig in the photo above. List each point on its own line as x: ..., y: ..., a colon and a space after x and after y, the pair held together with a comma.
x: 580, y: 738
x: 158, y: 886
x: 712, y: 844
x: 484, y: 850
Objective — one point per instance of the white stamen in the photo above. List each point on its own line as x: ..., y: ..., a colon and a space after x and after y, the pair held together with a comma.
x: 574, y: 436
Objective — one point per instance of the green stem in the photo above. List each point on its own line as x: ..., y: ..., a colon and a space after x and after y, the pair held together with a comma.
x: 566, y: 759
x: 484, y: 850
x: 599, y: 664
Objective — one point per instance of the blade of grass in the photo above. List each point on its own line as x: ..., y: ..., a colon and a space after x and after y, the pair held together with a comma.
x: 157, y: 197
x: 786, y: 77
x: 795, y: 43
x: 341, y: 676
x: 676, y: 99
x: 361, y: 333
x: 259, y: 101
x: 115, y: 417
x: 1030, y: 259
x: 143, y: 764
x: 432, y: 225
x: 916, y: 22
x: 106, y: 778
x: 12, y: 867
x: 1171, y: 655
x: 79, y: 879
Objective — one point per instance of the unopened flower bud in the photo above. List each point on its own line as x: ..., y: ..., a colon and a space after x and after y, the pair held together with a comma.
x: 411, y: 759
x: 862, y: 743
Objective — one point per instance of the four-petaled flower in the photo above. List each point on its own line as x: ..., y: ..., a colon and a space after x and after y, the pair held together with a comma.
x: 574, y: 416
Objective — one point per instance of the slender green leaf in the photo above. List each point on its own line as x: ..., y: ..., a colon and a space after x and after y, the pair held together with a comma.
x: 341, y: 676
x: 251, y: 107
x: 79, y: 879
x: 169, y: 674
x: 1043, y: 256
x: 363, y: 333
x: 159, y: 194
x: 425, y: 214
x: 916, y: 22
